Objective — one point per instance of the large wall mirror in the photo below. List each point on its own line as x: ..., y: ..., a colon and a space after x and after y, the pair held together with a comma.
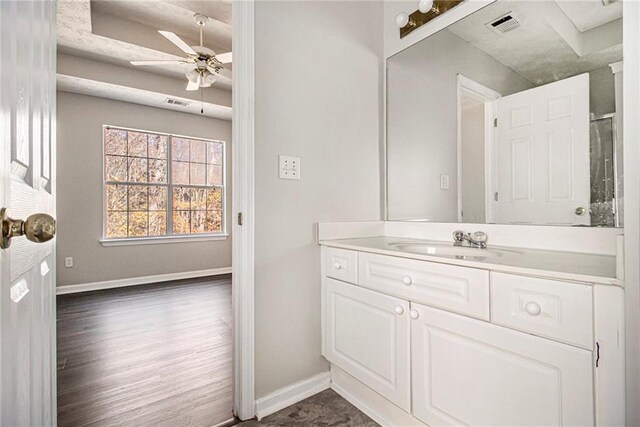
x: 512, y: 115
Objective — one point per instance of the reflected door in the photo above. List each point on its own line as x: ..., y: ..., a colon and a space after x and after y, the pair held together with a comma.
x: 542, y: 160
x: 27, y: 284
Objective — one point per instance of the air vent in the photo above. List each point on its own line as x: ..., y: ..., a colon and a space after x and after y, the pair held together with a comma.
x: 608, y: 2
x: 504, y: 24
x: 173, y: 101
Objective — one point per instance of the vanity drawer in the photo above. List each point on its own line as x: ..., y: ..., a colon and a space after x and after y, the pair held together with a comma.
x: 548, y: 308
x: 459, y: 289
x: 342, y: 264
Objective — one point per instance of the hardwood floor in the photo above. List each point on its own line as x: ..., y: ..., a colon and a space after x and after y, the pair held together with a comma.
x: 156, y: 354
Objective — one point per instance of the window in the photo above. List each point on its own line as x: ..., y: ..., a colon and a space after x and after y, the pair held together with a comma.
x: 157, y: 185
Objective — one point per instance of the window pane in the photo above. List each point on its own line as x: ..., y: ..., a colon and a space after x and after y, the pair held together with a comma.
x: 157, y: 198
x: 198, y: 151
x: 198, y: 221
x: 157, y: 171
x: 116, y: 168
x: 214, y: 175
x: 180, y: 149
x: 214, y: 199
x: 116, y: 197
x: 214, y: 222
x: 157, y: 223
x: 181, y: 198
x: 157, y: 146
x: 137, y: 170
x: 198, y: 171
x: 137, y: 144
x: 198, y: 199
x: 116, y: 224
x: 214, y: 152
x: 181, y: 222
x: 180, y: 173
x: 138, y: 224
x: 115, y: 141
x: 138, y: 198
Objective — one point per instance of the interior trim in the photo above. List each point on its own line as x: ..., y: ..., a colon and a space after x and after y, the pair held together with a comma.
x: 144, y: 280
x: 291, y: 394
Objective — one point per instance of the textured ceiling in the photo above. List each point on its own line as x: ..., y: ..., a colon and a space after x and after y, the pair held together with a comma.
x: 76, y: 36
x: 588, y: 14
x: 537, y: 51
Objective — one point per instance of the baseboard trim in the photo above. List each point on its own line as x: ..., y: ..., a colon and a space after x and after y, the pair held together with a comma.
x: 120, y: 283
x: 291, y: 394
x: 369, y: 402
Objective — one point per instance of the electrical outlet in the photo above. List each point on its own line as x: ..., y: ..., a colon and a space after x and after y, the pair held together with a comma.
x: 68, y: 262
x: 444, y: 181
x: 289, y: 167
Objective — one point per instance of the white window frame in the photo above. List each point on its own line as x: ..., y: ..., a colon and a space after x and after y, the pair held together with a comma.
x: 168, y: 238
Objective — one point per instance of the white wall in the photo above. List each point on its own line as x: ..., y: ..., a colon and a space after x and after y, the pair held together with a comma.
x: 473, y: 163
x: 80, y: 194
x: 318, y: 93
x: 422, y: 121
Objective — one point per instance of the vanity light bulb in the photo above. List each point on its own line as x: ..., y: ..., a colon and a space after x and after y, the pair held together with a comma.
x: 425, y: 6
x: 402, y: 19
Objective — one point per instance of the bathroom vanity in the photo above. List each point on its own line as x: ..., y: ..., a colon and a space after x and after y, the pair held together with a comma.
x: 422, y: 332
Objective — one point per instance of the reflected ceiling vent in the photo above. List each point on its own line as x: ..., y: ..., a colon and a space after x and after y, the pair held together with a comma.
x: 608, y: 2
x: 504, y: 24
x: 173, y: 101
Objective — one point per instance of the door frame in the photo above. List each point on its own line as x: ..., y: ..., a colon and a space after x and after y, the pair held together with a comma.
x: 243, y: 196
x: 488, y: 97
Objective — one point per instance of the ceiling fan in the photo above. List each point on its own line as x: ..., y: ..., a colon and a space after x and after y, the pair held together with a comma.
x: 207, y: 63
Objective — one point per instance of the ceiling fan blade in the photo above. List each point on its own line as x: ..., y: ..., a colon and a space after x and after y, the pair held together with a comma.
x: 224, y: 58
x: 157, y: 62
x: 173, y: 38
x: 191, y: 86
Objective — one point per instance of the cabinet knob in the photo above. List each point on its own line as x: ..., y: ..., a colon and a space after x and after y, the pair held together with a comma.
x: 414, y: 314
x: 399, y: 309
x: 533, y: 308
x: 407, y: 280
x: 337, y: 266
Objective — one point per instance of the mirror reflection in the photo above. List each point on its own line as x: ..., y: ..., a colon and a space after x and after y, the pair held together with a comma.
x: 510, y: 116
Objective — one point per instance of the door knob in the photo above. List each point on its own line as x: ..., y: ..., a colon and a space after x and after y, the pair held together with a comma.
x: 580, y: 211
x: 37, y: 228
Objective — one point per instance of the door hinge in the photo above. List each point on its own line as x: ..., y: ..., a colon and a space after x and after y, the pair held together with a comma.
x: 495, y: 122
x: 597, y: 353
x: 240, y: 218
x: 495, y: 196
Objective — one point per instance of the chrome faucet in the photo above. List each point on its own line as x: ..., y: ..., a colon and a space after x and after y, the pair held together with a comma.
x: 475, y: 240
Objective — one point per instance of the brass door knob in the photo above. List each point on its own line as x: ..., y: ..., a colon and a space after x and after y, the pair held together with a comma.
x: 580, y: 211
x: 37, y: 228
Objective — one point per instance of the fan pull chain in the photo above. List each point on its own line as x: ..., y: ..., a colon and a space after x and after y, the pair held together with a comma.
x: 201, y: 100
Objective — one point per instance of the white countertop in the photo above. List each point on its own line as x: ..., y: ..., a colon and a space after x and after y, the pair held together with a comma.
x: 576, y: 267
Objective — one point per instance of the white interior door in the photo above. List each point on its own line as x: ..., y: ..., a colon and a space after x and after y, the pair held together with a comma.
x: 27, y: 283
x: 472, y: 373
x: 368, y: 336
x: 543, y: 155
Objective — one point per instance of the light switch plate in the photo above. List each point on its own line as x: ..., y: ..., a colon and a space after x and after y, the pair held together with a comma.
x: 289, y: 167
x: 68, y: 262
x: 444, y: 181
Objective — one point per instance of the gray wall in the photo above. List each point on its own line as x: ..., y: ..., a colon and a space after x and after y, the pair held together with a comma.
x: 79, y: 199
x: 602, y: 91
x: 318, y: 94
x: 422, y: 121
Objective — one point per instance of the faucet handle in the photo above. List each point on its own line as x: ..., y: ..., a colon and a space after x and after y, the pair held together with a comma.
x: 458, y: 236
x: 479, y: 238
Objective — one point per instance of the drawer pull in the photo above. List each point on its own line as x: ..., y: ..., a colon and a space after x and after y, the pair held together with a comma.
x: 337, y: 266
x: 533, y: 308
x: 414, y: 314
x: 399, y: 309
x: 407, y: 280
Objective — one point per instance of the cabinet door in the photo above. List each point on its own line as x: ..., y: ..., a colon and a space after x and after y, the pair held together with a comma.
x: 368, y: 337
x: 468, y: 372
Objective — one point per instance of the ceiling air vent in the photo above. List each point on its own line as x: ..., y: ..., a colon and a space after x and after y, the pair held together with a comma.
x: 608, y: 2
x: 173, y: 101
x: 504, y: 24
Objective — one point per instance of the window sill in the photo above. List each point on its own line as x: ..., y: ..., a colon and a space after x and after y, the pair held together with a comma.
x: 163, y: 239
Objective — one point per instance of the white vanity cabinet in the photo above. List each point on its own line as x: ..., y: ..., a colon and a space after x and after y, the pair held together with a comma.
x: 453, y: 345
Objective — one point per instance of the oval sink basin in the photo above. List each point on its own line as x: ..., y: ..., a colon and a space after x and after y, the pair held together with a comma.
x: 444, y: 249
